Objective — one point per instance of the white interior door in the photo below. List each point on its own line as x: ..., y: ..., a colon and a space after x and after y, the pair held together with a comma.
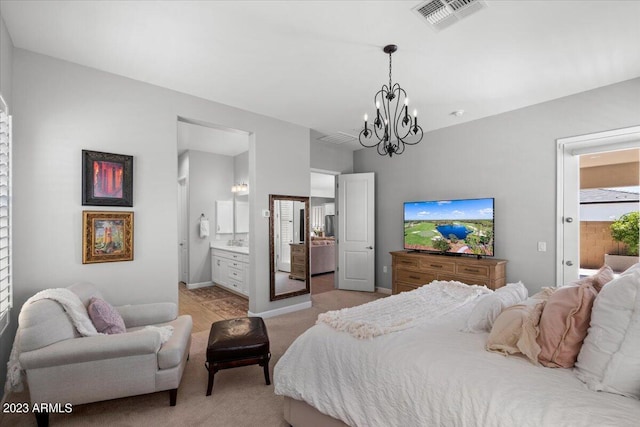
x: 356, y: 232
x: 183, y: 247
x: 568, y: 226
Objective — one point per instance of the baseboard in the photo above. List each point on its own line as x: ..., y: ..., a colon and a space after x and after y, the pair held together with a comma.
x: 199, y: 285
x: 283, y: 310
x: 385, y: 291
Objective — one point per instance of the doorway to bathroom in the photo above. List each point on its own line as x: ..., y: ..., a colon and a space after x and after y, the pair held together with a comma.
x: 213, y: 221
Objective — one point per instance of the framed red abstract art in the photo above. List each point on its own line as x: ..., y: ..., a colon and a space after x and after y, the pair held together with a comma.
x: 107, y: 179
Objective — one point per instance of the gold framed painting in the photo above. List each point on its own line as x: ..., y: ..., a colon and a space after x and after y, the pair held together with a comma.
x: 107, y: 236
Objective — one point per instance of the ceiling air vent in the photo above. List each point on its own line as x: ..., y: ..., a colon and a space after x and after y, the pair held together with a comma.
x: 338, y: 138
x: 442, y: 13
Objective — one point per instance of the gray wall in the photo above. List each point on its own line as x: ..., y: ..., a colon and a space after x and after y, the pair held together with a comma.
x: 6, y: 73
x: 327, y: 157
x: 210, y: 179
x: 61, y: 108
x: 511, y: 157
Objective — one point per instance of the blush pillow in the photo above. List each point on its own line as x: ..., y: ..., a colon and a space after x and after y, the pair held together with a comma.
x: 488, y: 308
x: 610, y: 356
x: 564, y: 323
x: 603, y: 276
x: 105, y: 317
x: 516, y: 329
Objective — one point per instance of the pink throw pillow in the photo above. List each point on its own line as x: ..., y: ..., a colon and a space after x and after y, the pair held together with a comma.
x: 564, y: 324
x: 599, y: 279
x: 105, y: 317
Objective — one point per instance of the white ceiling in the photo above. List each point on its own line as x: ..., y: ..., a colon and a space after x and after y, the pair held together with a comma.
x: 319, y: 63
x: 199, y: 137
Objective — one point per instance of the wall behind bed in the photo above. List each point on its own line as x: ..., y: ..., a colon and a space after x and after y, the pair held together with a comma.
x: 510, y: 156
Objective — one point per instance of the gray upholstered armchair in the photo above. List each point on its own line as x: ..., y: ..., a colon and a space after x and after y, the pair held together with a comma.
x: 63, y: 367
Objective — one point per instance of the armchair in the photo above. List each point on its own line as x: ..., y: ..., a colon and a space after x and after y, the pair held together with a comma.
x: 63, y: 367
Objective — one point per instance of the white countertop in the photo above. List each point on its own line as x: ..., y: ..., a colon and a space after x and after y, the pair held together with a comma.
x: 238, y: 249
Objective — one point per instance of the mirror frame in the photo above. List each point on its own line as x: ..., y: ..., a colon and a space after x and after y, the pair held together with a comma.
x: 272, y: 280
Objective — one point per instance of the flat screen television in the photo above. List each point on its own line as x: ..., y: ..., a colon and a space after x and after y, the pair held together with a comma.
x: 452, y: 227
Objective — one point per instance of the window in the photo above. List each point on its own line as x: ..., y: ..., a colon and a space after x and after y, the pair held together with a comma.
x: 6, y: 291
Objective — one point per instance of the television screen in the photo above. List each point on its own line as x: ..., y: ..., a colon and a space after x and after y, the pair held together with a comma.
x: 450, y: 226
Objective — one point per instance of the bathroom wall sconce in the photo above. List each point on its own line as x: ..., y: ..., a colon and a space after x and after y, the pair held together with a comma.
x: 240, y: 188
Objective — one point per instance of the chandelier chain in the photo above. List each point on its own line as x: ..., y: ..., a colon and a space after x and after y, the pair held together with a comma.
x: 389, y: 70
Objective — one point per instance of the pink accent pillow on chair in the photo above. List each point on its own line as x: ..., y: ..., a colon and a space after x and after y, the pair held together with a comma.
x: 105, y: 317
x: 564, y: 323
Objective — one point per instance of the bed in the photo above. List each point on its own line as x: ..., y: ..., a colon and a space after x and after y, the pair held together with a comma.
x: 430, y: 373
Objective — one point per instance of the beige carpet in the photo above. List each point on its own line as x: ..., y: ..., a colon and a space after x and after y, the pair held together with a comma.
x: 240, y: 396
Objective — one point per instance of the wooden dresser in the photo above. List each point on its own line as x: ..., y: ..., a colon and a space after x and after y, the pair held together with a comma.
x: 414, y: 269
x: 298, y: 261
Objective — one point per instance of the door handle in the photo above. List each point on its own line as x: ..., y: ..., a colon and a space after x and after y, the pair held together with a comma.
x: 369, y: 247
x: 568, y: 219
x: 569, y: 263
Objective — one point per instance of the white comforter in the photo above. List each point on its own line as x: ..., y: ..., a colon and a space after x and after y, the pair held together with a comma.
x: 434, y: 375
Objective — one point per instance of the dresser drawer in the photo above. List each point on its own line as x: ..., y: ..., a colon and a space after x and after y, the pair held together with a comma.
x: 416, y: 277
x: 443, y: 266
x: 297, y: 249
x: 297, y: 270
x: 406, y: 262
x: 404, y: 287
x: 478, y: 271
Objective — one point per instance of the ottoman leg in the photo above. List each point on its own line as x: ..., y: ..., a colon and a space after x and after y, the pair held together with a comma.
x: 265, y: 365
x: 212, y: 372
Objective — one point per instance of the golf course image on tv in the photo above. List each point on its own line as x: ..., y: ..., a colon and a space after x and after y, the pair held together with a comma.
x: 463, y: 226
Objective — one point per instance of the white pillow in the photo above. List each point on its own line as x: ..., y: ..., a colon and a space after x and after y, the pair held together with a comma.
x: 488, y: 308
x: 630, y: 270
x: 609, y: 359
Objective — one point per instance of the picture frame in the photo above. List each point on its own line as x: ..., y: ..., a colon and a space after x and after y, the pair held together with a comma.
x: 107, y: 179
x: 107, y: 236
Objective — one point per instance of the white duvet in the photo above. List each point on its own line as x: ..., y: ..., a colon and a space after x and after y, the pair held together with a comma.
x: 434, y: 375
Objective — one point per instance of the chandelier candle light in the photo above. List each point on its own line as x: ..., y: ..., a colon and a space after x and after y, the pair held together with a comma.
x: 393, y: 128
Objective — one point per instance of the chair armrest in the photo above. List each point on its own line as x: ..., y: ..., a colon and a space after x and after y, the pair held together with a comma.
x: 148, y: 314
x: 87, y: 349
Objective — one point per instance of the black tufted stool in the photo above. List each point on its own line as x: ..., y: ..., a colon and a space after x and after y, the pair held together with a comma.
x: 237, y: 342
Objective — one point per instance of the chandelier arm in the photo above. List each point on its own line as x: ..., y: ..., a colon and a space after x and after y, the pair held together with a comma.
x: 419, y: 139
x: 382, y: 148
x: 362, y: 137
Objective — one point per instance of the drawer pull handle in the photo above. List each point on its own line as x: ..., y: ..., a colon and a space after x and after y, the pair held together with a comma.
x: 436, y: 265
x: 472, y: 270
x: 414, y: 277
x: 407, y: 262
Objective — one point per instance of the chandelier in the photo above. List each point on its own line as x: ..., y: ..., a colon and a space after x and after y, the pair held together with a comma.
x: 393, y: 127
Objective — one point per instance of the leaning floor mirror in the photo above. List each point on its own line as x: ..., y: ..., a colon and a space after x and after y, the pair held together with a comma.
x: 288, y: 246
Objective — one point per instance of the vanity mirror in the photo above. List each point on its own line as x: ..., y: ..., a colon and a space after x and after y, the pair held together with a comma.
x: 288, y: 246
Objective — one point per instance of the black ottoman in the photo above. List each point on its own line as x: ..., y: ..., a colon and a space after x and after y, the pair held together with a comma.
x: 237, y: 342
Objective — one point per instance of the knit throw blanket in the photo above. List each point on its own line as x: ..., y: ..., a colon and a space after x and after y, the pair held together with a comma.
x: 403, y: 310
x: 76, y: 311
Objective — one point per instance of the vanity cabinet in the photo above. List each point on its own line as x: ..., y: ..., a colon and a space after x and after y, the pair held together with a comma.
x: 230, y: 270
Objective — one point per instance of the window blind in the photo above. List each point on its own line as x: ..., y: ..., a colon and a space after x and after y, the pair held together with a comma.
x: 317, y: 218
x: 6, y: 291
